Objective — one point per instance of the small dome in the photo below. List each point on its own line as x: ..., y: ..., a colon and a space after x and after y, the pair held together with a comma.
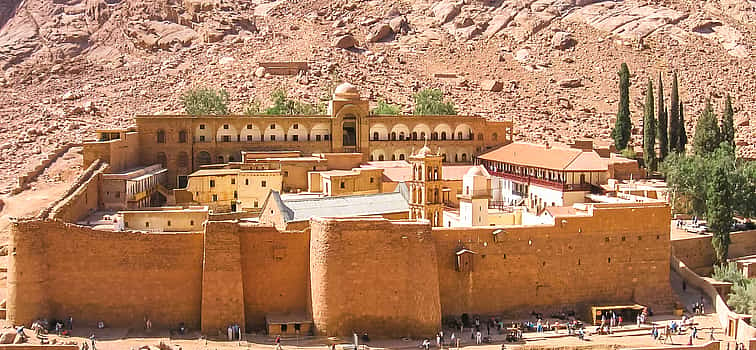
x: 423, y: 151
x: 475, y: 171
x: 346, y: 91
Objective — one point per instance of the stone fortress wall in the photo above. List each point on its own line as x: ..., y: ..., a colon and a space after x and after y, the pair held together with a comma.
x: 387, y: 277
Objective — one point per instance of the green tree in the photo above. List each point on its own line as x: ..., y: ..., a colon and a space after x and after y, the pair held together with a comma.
x: 385, y: 108
x: 623, y: 125
x: 205, y: 101
x: 661, y: 122
x: 649, y: 129
x: 681, y: 133
x: 282, y: 105
x: 719, y: 212
x: 728, y: 125
x: 729, y: 272
x: 253, y: 108
x: 431, y: 102
x: 674, y: 117
x: 707, y: 136
x: 742, y: 298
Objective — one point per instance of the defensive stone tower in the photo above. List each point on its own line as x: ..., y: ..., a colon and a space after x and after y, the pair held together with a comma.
x: 27, y: 274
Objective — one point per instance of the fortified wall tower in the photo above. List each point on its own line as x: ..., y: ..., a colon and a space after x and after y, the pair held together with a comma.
x: 374, y: 274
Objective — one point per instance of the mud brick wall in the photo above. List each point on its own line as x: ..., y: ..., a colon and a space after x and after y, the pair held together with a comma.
x: 373, y: 274
x: 698, y: 253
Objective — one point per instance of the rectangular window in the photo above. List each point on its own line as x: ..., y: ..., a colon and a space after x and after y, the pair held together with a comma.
x: 295, y: 137
x: 256, y: 204
x: 212, y: 183
x: 202, y: 138
x: 233, y: 181
x: 246, y: 182
x: 225, y: 126
x: 372, y: 180
x: 296, y: 126
x: 325, y: 137
x: 342, y: 184
x: 286, y: 173
x: 249, y: 138
x: 264, y: 184
x: 317, y: 137
x: 202, y: 126
x: 215, y: 198
x: 236, y: 195
x: 226, y: 138
x: 169, y: 222
x: 272, y: 126
x: 272, y: 137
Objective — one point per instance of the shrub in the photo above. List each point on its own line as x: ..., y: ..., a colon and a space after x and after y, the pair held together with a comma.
x: 385, y: 108
x: 431, y: 102
x: 203, y: 101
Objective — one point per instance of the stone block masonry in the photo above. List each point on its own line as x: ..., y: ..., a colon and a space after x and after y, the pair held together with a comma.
x: 386, y: 277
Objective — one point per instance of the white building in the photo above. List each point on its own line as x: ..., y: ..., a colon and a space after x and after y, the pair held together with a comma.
x: 539, y: 176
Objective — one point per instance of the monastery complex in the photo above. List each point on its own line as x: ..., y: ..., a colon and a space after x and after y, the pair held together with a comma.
x: 339, y: 222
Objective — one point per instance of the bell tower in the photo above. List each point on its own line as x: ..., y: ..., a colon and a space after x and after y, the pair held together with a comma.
x: 426, y: 186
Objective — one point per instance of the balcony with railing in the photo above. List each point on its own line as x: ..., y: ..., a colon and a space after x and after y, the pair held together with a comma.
x: 531, y: 180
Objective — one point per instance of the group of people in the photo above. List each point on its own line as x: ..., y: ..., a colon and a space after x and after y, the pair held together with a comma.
x: 235, y: 333
x: 698, y: 307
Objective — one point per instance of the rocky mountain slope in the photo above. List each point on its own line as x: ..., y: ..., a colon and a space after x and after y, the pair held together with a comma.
x: 70, y: 66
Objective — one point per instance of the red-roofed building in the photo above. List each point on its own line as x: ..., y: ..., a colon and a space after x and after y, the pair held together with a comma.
x: 539, y: 176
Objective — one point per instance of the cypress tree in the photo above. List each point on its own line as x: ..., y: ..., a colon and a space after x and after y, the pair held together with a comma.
x: 661, y: 123
x: 681, y: 133
x: 649, y: 129
x: 707, y: 137
x: 674, y: 117
x: 719, y: 198
x: 623, y: 125
x: 728, y: 125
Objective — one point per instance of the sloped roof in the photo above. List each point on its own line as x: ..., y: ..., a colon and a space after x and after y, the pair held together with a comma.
x: 554, y: 158
x: 342, y: 206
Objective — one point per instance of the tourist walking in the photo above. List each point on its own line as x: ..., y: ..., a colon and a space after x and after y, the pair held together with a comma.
x: 278, y: 343
x: 478, y: 338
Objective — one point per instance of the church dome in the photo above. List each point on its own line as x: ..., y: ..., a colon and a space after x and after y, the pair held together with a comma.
x: 475, y: 171
x: 346, y: 91
x: 423, y: 151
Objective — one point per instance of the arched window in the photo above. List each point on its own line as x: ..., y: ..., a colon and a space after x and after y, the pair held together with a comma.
x: 381, y: 157
x: 375, y: 136
x: 464, y: 157
x: 161, y: 136
x: 393, y: 136
x: 434, y: 136
x: 371, y: 157
x: 401, y: 156
x: 459, y: 135
x: 435, y: 174
x: 182, y: 136
x: 393, y: 157
x: 480, y: 137
x: 422, y: 135
x: 443, y: 135
x: 414, y: 135
x: 183, y: 160
x: 220, y: 159
x: 456, y: 158
x: 203, y: 158
x: 444, y: 155
x: 401, y: 136
x: 162, y: 159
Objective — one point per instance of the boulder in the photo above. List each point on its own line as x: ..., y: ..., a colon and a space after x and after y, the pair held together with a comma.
x: 380, y: 32
x: 570, y: 83
x: 260, y: 72
x: 491, y: 85
x: 562, y: 40
x: 7, y: 337
x: 499, y: 22
x: 345, y: 42
x: 446, y: 10
x: 398, y: 24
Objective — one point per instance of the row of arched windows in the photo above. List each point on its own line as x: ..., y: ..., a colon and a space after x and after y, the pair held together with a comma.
x: 435, y: 136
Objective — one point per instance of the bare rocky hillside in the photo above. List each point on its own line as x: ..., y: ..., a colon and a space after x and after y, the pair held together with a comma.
x: 70, y: 66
